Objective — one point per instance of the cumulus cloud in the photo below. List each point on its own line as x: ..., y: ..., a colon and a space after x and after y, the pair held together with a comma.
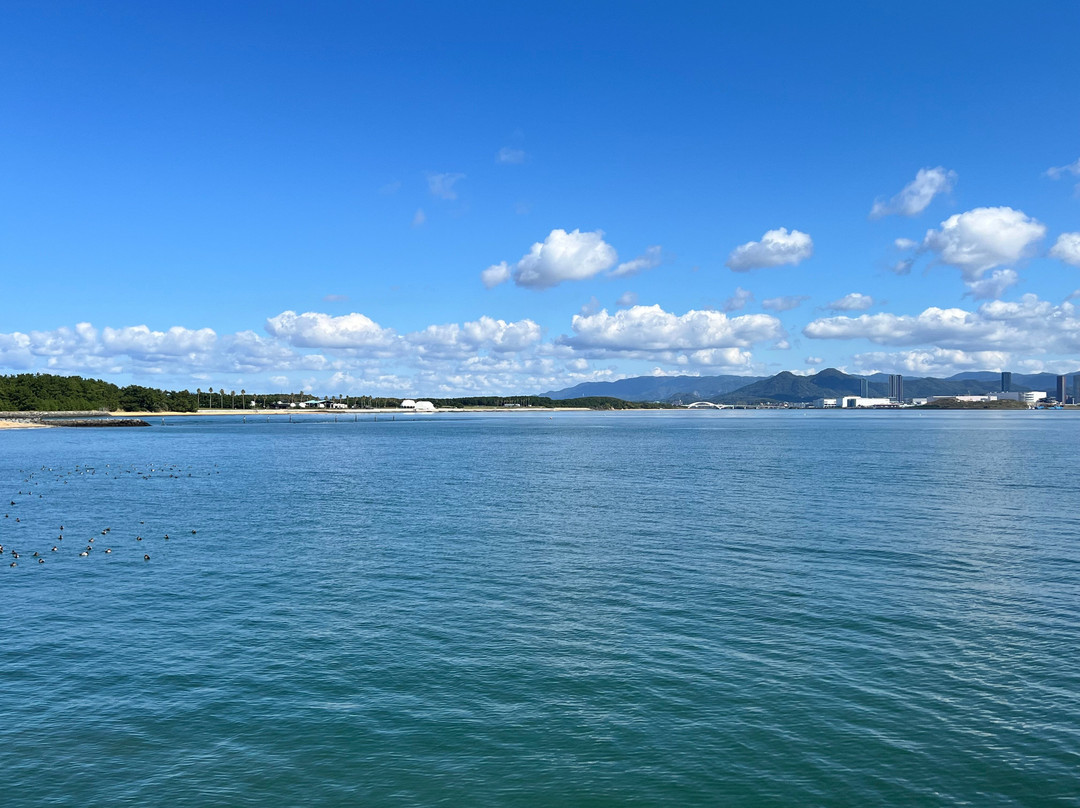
x: 495, y: 274
x: 441, y: 186
x: 784, y: 302
x: 317, y: 330
x: 776, y: 248
x: 487, y: 333
x: 932, y: 362
x: 645, y: 329
x: 917, y: 194
x: 738, y: 301
x: 813, y: 360
x: 855, y: 301
x: 906, y: 244
x: 562, y: 256
x: 1031, y: 326
x: 650, y: 259
x: 142, y: 343
x: 627, y: 299
x: 1067, y: 248
x: 993, y: 286
x: 510, y: 156
x: 983, y: 239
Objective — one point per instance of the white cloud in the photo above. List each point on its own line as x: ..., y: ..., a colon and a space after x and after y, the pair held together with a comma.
x: 933, y: 362
x: 644, y: 329
x: 776, y: 248
x: 993, y: 286
x: 562, y: 256
x: 419, y: 218
x: 591, y: 306
x: 1067, y: 248
x: 727, y: 358
x: 903, y: 266
x: 627, y: 299
x: 487, y: 333
x: 316, y: 330
x: 442, y: 185
x: 983, y: 239
x: 140, y: 342
x: 917, y: 194
x: 650, y: 259
x: 784, y: 302
x: 738, y: 301
x: 855, y: 301
x: 905, y: 244
x: 509, y: 156
x: 495, y: 274
x: 813, y: 360
x: 1030, y: 326
x: 335, y: 298
x: 1056, y: 172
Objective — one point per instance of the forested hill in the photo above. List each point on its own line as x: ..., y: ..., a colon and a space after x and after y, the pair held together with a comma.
x: 47, y: 393
x: 657, y: 388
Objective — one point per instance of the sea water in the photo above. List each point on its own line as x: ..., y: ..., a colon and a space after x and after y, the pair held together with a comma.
x: 517, y: 609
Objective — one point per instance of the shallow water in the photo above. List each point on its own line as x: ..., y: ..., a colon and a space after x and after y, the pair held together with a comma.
x: 749, y: 608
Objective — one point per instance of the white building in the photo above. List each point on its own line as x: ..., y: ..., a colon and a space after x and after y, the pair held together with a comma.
x: 1031, y: 398
x: 423, y: 406
x: 858, y: 402
x: 408, y: 404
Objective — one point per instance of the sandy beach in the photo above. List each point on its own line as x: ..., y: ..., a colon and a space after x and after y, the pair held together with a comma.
x: 21, y: 425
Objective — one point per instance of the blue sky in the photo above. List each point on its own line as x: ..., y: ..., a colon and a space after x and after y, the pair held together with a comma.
x: 437, y: 199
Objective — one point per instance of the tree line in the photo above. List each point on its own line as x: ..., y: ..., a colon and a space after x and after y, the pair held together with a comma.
x: 48, y: 393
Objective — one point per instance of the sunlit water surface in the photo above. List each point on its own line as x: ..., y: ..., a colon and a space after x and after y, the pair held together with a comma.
x: 742, y: 608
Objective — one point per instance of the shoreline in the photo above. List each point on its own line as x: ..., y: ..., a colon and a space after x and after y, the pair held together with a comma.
x: 379, y: 411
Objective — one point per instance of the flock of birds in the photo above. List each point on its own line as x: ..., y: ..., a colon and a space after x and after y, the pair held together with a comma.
x: 19, y: 525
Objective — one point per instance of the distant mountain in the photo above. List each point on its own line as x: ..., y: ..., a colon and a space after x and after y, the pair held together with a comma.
x: 658, y: 388
x: 791, y: 389
x: 831, y: 383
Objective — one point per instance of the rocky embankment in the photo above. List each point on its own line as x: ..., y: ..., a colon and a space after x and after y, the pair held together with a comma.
x: 74, y: 418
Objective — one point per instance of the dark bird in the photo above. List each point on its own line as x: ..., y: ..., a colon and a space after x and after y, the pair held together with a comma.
x: 146, y: 558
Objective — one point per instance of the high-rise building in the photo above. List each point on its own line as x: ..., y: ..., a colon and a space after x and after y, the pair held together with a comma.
x: 864, y: 388
x: 1061, y: 389
x: 1006, y: 381
x: 1076, y: 389
x: 896, y: 387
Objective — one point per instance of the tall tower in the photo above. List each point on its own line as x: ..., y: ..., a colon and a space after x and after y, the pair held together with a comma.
x: 864, y: 388
x: 1076, y: 389
x: 1006, y: 381
x: 896, y: 387
x: 1061, y: 389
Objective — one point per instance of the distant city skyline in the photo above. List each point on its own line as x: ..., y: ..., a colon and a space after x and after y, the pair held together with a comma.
x: 435, y: 200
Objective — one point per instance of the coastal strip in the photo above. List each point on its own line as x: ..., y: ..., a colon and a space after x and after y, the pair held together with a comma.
x: 67, y: 418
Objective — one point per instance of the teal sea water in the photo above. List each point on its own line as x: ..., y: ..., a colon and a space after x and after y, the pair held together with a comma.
x: 705, y: 608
